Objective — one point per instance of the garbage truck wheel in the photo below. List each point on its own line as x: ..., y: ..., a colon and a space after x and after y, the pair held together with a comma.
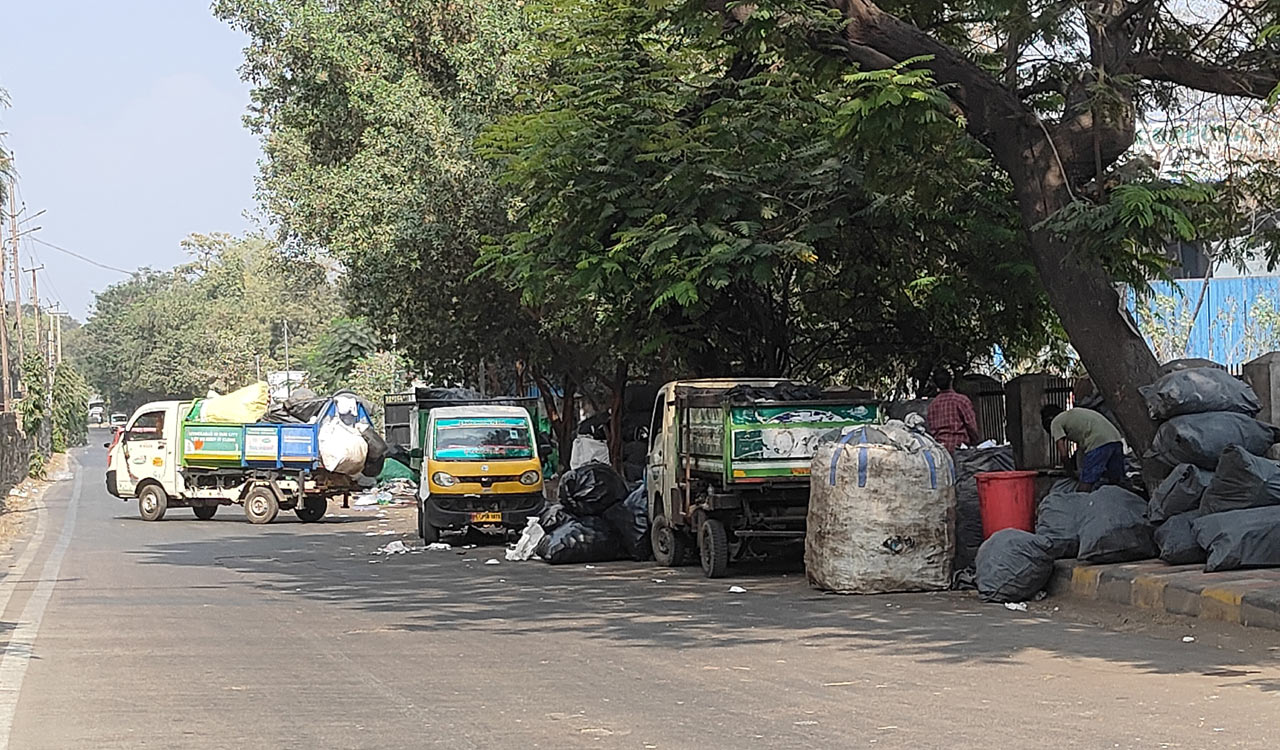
x: 713, y: 544
x: 669, y: 547
x: 152, y: 503
x: 261, y: 505
x: 204, y: 512
x: 312, y: 509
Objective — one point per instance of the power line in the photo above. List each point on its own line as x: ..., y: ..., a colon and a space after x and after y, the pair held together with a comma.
x: 90, y: 261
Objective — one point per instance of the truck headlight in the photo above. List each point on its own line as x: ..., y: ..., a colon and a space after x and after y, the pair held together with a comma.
x: 530, y: 477
x: 443, y: 479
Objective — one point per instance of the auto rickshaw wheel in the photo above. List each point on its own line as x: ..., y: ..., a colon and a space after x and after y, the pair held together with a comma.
x: 713, y: 545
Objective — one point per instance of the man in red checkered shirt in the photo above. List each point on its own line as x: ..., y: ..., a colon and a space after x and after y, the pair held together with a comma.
x: 950, y: 417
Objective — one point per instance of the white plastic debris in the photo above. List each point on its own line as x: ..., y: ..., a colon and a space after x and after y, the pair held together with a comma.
x: 393, y: 548
x: 737, y: 590
x: 438, y: 547
x: 529, y: 538
x: 1188, y: 639
x: 492, y: 561
x: 1016, y: 606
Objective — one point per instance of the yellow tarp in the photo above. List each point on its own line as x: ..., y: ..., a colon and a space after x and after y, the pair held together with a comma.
x: 244, y: 406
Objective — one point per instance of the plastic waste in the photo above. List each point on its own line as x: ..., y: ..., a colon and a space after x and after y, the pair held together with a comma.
x: 1199, y: 390
x: 587, y: 450
x: 583, y: 540
x: 1176, y: 539
x: 528, y: 544
x: 1058, y: 519
x: 1013, y: 565
x: 342, y: 448
x: 969, y: 463
x: 1115, y: 528
x: 393, y: 548
x: 590, y: 489
x: 243, y: 406
x: 630, y: 518
x: 1247, y: 538
x: 1241, y: 481
x: 1178, y: 493
x: 1200, y: 439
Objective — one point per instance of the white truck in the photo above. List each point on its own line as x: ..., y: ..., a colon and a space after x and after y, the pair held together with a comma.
x: 165, y: 459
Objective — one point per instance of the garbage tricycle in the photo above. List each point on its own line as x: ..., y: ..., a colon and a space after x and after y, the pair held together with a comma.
x: 728, y: 464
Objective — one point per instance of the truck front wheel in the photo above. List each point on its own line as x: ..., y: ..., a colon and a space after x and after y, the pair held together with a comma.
x: 261, y: 505
x: 152, y: 502
x: 670, y: 548
x: 312, y: 509
x: 713, y: 544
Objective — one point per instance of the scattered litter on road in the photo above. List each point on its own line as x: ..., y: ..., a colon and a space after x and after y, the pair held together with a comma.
x: 438, y: 547
x: 1016, y: 606
x: 15, y: 492
x: 805, y: 723
x: 589, y: 567
x: 659, y: 580
x: 737, y: 590
x: 392, y: 548
x: 529, y: 538
x: 61, y: 476
x: 838, y: 684
x: 1188, y: 639
x: 492, y: 561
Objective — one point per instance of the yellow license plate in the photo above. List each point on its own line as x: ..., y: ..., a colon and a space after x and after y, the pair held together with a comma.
x: 486, y: 518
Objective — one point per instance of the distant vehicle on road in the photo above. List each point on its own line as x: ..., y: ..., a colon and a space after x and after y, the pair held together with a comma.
x: 166, y: 459
x: 118, y: 419
x: 97, y: 410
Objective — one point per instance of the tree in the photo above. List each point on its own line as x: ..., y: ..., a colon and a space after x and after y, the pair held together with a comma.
x: 1053, y: 91
x: 693, y: 194
x: 217, y: 321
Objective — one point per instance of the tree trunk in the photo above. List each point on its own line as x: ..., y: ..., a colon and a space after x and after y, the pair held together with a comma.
x: 1116, y: 357
x: 619, y: 388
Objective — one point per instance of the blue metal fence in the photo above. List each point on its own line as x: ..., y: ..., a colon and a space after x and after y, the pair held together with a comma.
x: 1238, y: 320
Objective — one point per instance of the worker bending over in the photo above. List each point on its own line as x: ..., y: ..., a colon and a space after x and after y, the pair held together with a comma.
x: 1099, y: 450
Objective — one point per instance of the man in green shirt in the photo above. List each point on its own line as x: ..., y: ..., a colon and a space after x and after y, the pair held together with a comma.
x: 1099, y: 451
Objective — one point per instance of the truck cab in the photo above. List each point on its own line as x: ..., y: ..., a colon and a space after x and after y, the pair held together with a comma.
x: 480, y: 467
x: 146, y: 451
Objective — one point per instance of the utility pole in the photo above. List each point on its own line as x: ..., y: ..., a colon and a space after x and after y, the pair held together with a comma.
x: 35, y: 305
x: 288, y: 385
x: 4, y: 341
x: 17, y: 286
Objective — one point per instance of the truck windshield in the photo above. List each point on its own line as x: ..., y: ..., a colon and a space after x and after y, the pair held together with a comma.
x: 482, y: 438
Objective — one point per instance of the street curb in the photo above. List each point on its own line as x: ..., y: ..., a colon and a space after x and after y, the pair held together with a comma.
x: 1249, y: 598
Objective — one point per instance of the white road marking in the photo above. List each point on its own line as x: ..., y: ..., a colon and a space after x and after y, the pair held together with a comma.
x: 22, y: 640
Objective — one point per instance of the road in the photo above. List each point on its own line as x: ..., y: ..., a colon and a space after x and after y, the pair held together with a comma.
x: 188, y: 634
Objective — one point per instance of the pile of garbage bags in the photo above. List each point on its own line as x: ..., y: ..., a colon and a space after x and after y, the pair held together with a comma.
x: 1218, y: 504
x: 969, y: 463
x: 595, y: 519
x: 881, y: 510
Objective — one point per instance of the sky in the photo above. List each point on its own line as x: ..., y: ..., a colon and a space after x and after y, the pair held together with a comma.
x: 125, y: 121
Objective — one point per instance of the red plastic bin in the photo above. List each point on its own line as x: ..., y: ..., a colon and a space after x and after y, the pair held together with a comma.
x: 1007, y: 500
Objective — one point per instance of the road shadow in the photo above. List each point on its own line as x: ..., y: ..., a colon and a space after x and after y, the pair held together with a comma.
x: 642, y: 606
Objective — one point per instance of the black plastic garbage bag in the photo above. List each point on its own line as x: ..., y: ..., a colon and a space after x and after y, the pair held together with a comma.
x: 1178, y: 493
x: 1199, y: 390
x: 554, y: 517
x: 1115, y: 528
x: 1201, y: 438
x: 590, y: 489
x: 1013, y: 566
x: 630, y: 518
x: 376, y: 452
x: 1177, y: 540
x: 969, y: 463
x: 1241, y: 481
x: 585, y: 540
x: 1240, y: 538
x: 1058, y: 519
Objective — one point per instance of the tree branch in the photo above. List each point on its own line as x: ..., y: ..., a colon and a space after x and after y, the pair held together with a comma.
x: 1206, y: 77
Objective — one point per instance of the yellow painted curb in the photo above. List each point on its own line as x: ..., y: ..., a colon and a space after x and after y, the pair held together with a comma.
x: 1148, y: 592
x: 1221, y: 604
x: 1084, y: 581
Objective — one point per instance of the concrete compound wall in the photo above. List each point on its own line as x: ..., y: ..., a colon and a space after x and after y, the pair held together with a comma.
x: 15, y: 452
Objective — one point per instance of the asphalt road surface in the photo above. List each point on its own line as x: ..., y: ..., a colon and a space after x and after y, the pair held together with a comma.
x: 124, y: 634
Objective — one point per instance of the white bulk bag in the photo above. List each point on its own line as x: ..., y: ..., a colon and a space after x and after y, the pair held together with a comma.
x: 881, y: 512
x: 342, y: 448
